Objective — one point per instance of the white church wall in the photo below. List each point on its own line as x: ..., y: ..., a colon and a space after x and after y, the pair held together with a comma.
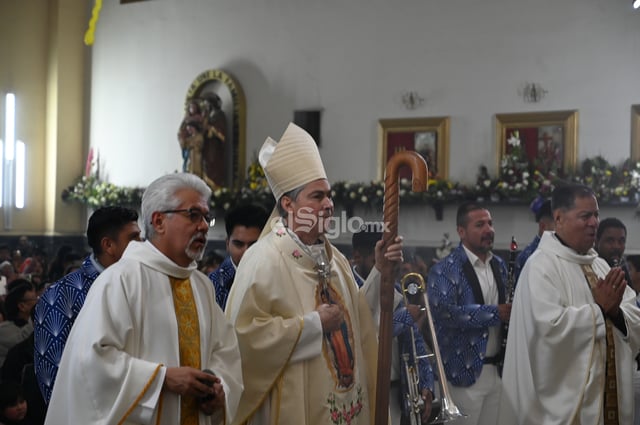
x: 354, y: 60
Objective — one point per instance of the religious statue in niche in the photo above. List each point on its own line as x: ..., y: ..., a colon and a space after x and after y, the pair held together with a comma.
x: 211, y: 133
x: 190, y: 125
x: 202, y: 137
x: 215, y: 130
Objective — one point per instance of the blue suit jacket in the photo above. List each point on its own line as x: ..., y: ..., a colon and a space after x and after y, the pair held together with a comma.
x: 460, y: 316
x: 222, y: 279
x: 54, y: 315
x: 525, y: 254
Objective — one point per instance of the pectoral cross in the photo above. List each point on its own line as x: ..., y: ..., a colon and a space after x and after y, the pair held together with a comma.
x: 323, y: 268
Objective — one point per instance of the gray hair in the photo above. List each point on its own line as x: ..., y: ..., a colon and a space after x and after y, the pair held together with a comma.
x: 293, y: 195
x: 161, y: 196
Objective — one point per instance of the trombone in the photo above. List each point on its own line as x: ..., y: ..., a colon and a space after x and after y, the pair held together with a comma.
x: 413, y: 285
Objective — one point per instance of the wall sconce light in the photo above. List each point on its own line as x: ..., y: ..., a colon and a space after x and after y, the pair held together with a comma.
x: 412, y: 100
x: 533, y: 92
x: 636, y: 4
x: 12, y: 160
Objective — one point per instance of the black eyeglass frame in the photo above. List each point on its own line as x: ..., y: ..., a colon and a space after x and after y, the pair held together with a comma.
x: 193, y: 214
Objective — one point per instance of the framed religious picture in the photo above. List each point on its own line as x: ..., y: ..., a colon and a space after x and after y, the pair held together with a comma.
x: 549, y: 140
x: 211, y: 134
x: 427, y: 136
x: 635, y: 132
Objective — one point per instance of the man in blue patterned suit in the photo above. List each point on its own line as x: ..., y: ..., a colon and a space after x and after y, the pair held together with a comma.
x: 243, y: 225
x: 109, y: 231
x: 467, y: 299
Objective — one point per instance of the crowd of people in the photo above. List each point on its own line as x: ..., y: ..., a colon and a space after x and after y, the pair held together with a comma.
x: 284, y: 328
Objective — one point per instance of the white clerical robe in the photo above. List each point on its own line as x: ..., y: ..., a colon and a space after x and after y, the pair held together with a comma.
x: 554, y: 367
x: 289, y: 366
x: 113, y: 366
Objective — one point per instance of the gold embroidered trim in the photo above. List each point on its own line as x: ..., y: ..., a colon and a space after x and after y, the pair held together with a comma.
x: 144, y: 390
x: 160, y: 403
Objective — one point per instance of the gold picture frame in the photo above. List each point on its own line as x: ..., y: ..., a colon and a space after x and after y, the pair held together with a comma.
x: 635, y: 132
x: 548, y: 138
x: 427, y: 136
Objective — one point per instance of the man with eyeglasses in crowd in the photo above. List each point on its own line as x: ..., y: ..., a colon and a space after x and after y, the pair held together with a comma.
x: 150, y: 344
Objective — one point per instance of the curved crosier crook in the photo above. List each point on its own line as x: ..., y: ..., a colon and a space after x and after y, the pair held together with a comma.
x: 391, y: 211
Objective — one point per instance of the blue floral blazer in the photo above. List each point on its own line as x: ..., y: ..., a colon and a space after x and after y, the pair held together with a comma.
x: 54, y: 315
x: 460, y: 316
x: 222, y: 279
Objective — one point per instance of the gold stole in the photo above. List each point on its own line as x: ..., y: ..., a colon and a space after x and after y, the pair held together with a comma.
x: 188, y: 341
x: 610, y: 380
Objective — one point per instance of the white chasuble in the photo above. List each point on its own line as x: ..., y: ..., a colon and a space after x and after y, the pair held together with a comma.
x: 113, y: 366
x: 556, y: 350
x: 294, y: 374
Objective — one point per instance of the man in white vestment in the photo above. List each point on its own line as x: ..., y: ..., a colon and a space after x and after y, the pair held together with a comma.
x: 151, y: 345
x: 306, y: 334
x: 574, y: 325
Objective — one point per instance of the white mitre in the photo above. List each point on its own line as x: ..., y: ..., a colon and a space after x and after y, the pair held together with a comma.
x: 290, y: 163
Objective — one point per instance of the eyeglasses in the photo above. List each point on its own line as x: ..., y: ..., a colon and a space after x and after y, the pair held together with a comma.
x: 195, y: 215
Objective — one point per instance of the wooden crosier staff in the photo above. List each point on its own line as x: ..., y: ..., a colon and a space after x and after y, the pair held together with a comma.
x: 391, y: 211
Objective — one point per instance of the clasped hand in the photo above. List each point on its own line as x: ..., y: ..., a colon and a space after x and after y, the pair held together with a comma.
x: 608, y: 292
x: 188, y: 381
x: 331, y: 317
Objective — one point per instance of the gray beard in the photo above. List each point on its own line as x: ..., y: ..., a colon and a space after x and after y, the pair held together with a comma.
x: 195, y: 254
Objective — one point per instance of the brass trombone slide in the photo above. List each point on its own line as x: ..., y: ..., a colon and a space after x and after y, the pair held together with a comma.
x: 413, y: 285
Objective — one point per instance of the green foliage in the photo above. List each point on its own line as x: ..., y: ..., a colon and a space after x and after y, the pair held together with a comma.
x: 518, y: 180
x: 95, y: 193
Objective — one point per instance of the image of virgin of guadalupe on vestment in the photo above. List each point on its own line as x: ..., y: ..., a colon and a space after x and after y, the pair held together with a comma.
x: 337, y: 345
x: 294, y: 373
x: 338, y: 379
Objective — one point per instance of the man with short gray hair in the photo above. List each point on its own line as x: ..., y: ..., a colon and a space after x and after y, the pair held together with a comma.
x: 150, y: 344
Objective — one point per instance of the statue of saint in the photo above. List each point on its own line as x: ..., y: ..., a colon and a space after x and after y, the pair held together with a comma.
x: 215, y: 133
x: 191, y: 142
x: 193, y: 117
x: 202, y: 138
